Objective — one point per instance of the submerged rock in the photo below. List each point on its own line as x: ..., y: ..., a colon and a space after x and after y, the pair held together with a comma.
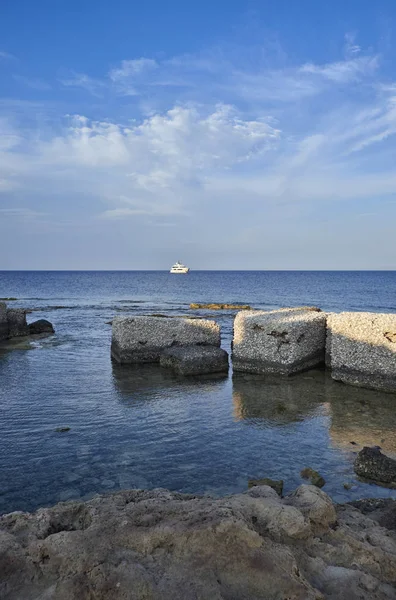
x: 314, y: 477
x: 371, y: 464
x: 195, y: 360
x: 161, y: 545
x: 276, y: 485
x: 217, y: 306
x: 41, y: 326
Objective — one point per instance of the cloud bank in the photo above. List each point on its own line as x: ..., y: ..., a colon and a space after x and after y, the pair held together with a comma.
x: 194, y: 140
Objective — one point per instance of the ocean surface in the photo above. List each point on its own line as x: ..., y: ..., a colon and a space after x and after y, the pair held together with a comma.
x: 144, y: 427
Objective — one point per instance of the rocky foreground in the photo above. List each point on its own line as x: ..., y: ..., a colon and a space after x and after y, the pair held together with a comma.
x: 160, y: 545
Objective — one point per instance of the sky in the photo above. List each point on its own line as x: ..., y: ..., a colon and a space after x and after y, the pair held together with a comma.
x: 227, y: 134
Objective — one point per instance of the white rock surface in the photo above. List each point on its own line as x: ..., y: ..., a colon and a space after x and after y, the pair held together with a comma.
x: 361, y: 349
x: 141, y: 339
x: 282, y: 341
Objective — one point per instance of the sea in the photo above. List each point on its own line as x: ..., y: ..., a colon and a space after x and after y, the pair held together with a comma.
x: 144, y: 427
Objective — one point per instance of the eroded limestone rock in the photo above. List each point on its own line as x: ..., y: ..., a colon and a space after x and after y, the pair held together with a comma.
x: 282, y: 341
x: 141, y: 339
x: 159, y: 545
x: 3, y: 321
x: 17, y: 325
x: 361, y: 349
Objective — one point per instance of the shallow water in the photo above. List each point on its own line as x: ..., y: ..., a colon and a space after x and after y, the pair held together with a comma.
x: 144, y: 427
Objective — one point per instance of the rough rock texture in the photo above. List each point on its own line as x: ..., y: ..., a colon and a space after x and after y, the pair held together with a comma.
x: 17, y: 325
x: 282, y: 341
x: 3, y: 321
x: 370, y: 463
x: 361, y: 349
x: 142, y: 339
x: 158, y: 545
x: 382, y: 510
x: 195, y: 360
x: 41, y: 326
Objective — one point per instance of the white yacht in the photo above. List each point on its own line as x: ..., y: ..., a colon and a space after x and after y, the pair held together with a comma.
x: 178, y: 267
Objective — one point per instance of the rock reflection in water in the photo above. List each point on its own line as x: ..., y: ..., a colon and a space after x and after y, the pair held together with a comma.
x: 278, y: 400
x: 358, y: 417
x: 137, y: 383
x: 365, y: 417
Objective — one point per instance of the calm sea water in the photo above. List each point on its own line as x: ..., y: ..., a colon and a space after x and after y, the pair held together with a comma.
x: 144, y: 427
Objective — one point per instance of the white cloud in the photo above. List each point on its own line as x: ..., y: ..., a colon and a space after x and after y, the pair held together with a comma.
x: 132, y: 68
x: 95, y: 87
x: 130, y: 74
x: 351, y: 48
x: 288, y: 144
x: 343, y: 71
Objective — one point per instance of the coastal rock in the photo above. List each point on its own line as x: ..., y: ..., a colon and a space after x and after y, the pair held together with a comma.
x: 41, y: 326
x: 282, y: 341
x: 371, y: 464
x: 361, y: 349
x: 161, y: 545
x: 315, y: 506
x: 3, y: 321
x: 142, y: 339
x: 17, y: 325
x: 195, y: 360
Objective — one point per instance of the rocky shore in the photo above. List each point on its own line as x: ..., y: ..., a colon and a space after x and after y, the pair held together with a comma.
x: 161, y: 545
x: 13, y: 324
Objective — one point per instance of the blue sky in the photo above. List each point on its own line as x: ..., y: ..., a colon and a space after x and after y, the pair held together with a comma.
x: 230, y: 135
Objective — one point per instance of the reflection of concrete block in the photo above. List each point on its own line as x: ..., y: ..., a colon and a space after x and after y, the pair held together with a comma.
x: 195, y: 360
x: 282, y: 341
x: 142, y: 339
x: 362, y: 349
x: 3, y: 321
x: 17, y: 325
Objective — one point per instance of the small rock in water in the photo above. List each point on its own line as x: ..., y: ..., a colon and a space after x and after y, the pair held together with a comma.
x: 276, y: 485
x: 348, y: 485
x: 353, y: 443
x: 62, y: 429
x: 313, y: 476
x: 41, y: 326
